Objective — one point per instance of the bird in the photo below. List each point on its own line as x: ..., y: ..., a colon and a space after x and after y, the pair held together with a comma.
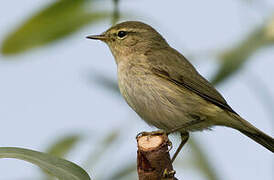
x: 165, y: 89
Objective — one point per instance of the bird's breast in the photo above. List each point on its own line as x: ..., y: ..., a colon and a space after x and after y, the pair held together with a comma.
x: 151, y: 97
x: 132, y: 81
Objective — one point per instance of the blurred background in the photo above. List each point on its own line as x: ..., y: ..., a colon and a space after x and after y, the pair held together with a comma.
x: 58, y: 91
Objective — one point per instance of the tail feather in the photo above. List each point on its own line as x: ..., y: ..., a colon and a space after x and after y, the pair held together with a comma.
x: 261, y: 138
x: 252, y: 132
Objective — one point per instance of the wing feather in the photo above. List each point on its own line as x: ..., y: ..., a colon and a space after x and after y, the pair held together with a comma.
x: 177, y: 69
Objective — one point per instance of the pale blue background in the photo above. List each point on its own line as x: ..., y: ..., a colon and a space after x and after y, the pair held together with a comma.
x: 48, y: 92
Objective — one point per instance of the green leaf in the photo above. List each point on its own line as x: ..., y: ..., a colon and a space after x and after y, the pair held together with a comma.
x: 234, y: 59
x: 116, y: 13
x: 269, y: 30
x: 60, y: 168
x: 63, y: 146
x: 55, y: 22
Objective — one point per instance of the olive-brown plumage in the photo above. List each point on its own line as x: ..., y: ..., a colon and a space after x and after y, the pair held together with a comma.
x: 164, y: 89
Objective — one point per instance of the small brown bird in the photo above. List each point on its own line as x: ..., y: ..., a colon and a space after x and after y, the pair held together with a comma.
x: 164, y: 89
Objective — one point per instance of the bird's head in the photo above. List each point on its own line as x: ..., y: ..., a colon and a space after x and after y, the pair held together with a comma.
x: 130, y: 37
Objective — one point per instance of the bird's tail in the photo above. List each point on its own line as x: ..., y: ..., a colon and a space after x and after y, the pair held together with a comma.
x: 261, y: 138
x: 252, y: 132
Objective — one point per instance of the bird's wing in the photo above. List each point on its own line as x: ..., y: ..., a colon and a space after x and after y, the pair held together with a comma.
x: 175, y: 68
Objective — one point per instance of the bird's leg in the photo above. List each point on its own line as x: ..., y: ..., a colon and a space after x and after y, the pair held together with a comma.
x: 184, y: 137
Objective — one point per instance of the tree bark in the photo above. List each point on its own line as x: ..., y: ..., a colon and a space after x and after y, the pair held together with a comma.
x: 153, y: 159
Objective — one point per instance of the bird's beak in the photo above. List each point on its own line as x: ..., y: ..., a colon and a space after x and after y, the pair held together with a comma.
x: 101, y: 37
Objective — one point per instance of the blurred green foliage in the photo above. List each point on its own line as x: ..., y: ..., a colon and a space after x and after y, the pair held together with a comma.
x: 102, y: 146
x: 53, y: 23
x: 63, y: 146
x: 202, y: 162
x: 128, y: 172
x: 232, y: 60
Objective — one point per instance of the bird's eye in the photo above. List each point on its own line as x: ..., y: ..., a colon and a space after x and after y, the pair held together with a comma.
x: 122, y: 34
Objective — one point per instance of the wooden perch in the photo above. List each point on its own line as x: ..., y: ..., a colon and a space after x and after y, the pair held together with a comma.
x: 153, y: 159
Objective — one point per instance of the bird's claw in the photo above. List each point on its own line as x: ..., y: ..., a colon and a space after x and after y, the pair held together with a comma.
x: 170, y: 145
x: 168, y: 173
